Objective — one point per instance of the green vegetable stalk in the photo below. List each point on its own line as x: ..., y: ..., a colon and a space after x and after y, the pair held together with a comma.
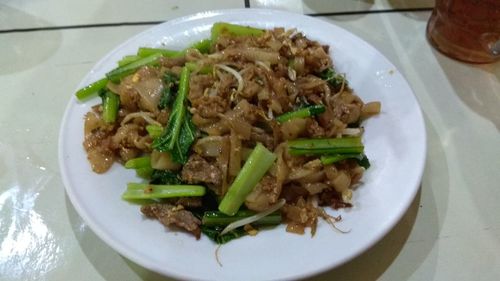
x: 203, y: 46
x: 141, y: 165
x: 91, y: 90
x: 256, y: 166
x: 117, y: 74
x: 301, y: 113
x: 151, y: 191
x: 110, y: 106
x: 234, y: 29
x: 346, y: 145
x: 360, y: 158
x: 128, y: 60
x: 146, y: 52
x: 139, y: 162
x: 154, y: 131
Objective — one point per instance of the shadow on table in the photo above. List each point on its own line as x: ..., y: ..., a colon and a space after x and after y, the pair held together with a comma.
x: 25, y: 50
x: 481, y: 96
x: 412, y: 242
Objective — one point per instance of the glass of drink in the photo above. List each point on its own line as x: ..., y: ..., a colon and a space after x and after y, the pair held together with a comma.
x: 467, y: 30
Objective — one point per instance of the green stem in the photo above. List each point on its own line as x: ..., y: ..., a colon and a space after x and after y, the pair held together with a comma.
x: 234, y: 29
x: 110, y: 106
x: 347, y: 145
x: 152, y: 191
x: 330, y: 159
x: 128, y: 59
x: 301, y: 113
x: 139, y: 162
x: 117, y: 74
x: 146, y: 52
x: 154, y: 131
x: 203, y: 46
x: 256, y: 166
x: 144, y: 172
x: 91, y: 89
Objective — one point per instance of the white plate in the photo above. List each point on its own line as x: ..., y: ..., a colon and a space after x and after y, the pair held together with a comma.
x: 395, y: 142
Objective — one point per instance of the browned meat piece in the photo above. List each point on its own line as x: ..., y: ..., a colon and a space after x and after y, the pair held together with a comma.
x: 210, y: 106
x: 173, y: 215
x: 197, y: 86
x: 198, y: 170
x: 333, y: 199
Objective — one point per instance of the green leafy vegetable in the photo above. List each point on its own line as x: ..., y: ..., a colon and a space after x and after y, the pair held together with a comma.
x: 364, y: 162
x: 153, y: 191
x: 187, y: 136
x: 257, y: 164
x: 213, y: 232
x: 180, y: 131
x: 304, y: 112
x: 167, y: 97
x: 165, y: 177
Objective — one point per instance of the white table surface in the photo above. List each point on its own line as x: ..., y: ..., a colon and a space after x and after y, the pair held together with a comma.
x: 450, y: 232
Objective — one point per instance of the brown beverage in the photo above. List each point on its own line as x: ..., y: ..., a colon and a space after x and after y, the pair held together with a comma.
x: 467, y: 30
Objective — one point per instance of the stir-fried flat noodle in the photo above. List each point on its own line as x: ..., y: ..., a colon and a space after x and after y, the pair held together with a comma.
x: 236, y: 92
